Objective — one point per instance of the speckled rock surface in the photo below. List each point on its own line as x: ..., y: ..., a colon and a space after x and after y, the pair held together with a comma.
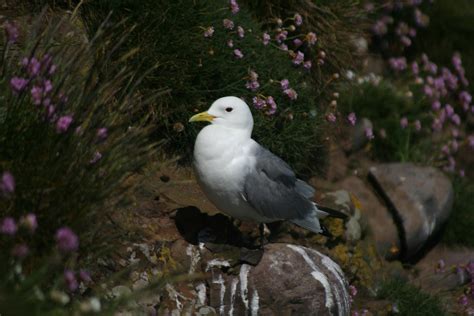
x: 289, y: 280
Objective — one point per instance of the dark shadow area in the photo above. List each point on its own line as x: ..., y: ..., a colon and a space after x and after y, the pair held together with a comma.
x: 197, y: 227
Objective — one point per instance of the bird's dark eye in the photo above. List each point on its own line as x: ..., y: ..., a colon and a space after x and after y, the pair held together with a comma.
x: 229, y: 109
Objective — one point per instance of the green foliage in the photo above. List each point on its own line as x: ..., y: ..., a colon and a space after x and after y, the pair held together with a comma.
x: 58, y: 173
x: 385, y: 105
x: 409, y: 300
x: 451, y: 30
x: 458, y: 230
x: 199, y: 70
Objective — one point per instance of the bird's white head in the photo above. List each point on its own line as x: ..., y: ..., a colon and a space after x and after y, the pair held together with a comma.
x: 230, y: 112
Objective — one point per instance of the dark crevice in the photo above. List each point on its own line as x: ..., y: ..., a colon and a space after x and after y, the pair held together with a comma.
x: 393, y: 211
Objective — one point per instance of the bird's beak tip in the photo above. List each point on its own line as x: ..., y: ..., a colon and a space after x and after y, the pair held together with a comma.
x: 203, y: 116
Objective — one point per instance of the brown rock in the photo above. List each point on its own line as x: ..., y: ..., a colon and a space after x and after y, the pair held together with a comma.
x: 377, y: 216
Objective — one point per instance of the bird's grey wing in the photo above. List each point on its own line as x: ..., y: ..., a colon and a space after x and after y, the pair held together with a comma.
x: 274, y: 191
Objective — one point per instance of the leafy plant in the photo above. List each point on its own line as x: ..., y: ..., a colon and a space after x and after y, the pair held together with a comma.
x: 68, y: 149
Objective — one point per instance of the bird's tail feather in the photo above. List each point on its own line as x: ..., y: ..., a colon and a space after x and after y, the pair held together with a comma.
x: 310, y: 223
x: 332, y: 212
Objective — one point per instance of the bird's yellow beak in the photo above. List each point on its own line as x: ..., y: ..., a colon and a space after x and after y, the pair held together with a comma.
x: 203, y: 116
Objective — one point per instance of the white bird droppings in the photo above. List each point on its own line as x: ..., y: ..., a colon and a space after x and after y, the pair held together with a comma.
x: 233, y: 290
x: 193, y: 252
x: 243, y: 275
x: 201, y: 293
x: 254, y: 303
x: 217, y: 263
x: 317, y: 275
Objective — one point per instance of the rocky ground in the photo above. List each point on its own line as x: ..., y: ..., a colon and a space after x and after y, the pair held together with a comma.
x: 395, y: 213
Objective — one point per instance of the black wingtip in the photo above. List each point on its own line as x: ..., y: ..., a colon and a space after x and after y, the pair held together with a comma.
x: 325, y: 232
x: 333, y: 212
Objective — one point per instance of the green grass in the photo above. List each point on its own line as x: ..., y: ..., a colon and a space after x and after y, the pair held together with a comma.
x: 410, y: 300
x: 458, y: 230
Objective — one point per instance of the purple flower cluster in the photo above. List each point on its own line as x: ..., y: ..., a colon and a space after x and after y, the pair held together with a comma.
x: 208, y: 32
x: 66, y: 240
x: 267, y: 104
x: 252, y: 84
x: 398, y: 64
x: 12, y: 32
x: 7, y: 183
x: 234, y: 6
x: 289, y: 92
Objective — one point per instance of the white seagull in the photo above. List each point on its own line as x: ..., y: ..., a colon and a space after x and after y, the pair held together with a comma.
x: 245, y: 180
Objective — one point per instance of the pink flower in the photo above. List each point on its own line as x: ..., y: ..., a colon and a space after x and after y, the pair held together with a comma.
x: 272, y: 106
x: 463, y: 300
x: 456, y: 119
x: 252, y: 85
x: 417, y: 125
x: 470, y: 141
x: 414, y: 68
x: 298, y: 19
x: 258, y: 103
x: 448, y: 109
x: 284, y: 47
x: 281, y: 36
x: 70, y: 280
x: 209, y: 32
x: 352, y: 118
x: 30, y: 222
x: 253, y: 75
x: 311, y: 38
x: 230, y: 43
x: 18, y: 84
x: 352, y: 290
x: 285, y: 84
x: 369, y: 133
x: 85, y: 276
x: 436, y: 105
x: 63, y: 123
x: 66, y: 240
x: 238, y: 54
x: 8, y: 226
x: 234, y: 7
x: 403, y: 122
x: 102, y: 133
x: 297, y: 42
x: 307, y: 64
x: 299, y: 58
x: 228, y: 24
x: 330, y: 117
x: 266, y: 39
x: 20, y: 251
x: 291, y: 93
x: 97, y: 156
x: 7, y: 185
x: 33, y: 66
x: 240, y: 31
x: 37, y: 94
x: 11, y: 31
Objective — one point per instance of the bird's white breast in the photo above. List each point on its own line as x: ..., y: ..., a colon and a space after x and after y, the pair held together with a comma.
x: 222, y: 159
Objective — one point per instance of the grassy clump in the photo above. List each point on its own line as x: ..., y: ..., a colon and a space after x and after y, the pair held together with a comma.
x: 67, y: 151
x: 409, y: 300
x: 385, y: 105
x: 458, y: 230
x: 199, y: 70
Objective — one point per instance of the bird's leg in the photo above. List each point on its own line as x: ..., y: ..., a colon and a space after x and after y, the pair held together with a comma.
x: 261, y: 228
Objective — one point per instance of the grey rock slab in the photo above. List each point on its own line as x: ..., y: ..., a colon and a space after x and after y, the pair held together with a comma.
x: 420, y: 198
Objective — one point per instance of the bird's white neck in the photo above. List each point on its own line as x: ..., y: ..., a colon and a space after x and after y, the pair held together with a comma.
x: 216, y: 140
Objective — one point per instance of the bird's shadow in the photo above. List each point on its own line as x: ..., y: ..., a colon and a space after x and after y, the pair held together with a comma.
x: 198, y: 227
x: 216, y: 232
